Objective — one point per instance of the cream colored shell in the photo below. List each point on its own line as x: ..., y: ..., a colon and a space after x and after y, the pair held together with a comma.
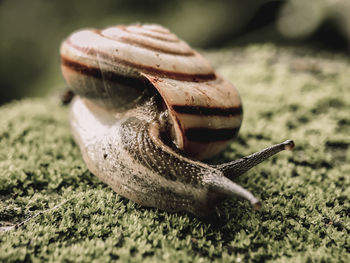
x: 205, y: 109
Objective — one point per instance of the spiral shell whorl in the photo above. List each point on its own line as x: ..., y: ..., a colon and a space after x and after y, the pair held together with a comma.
x: 134, y: 49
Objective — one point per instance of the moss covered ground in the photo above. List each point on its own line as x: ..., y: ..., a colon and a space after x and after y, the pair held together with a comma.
x: 53, y: 209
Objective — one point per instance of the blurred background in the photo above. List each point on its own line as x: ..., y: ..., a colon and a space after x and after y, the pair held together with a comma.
x: 31, y: 30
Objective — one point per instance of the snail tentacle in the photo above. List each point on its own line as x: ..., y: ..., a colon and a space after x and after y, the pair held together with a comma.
x: 225, y: 186
x: 238, y: 167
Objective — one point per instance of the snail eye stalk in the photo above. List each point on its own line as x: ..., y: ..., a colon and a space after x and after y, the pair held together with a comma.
x: 238, y: 167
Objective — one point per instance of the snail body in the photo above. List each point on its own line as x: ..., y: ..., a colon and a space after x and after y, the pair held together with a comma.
x: 147, y: 109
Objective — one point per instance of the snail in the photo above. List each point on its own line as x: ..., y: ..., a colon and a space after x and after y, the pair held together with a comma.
x: 148, y: 109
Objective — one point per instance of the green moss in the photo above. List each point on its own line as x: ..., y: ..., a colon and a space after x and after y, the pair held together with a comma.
x: 53, y: 209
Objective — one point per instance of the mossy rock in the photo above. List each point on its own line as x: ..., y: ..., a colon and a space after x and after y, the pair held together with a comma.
x: 53, y: 209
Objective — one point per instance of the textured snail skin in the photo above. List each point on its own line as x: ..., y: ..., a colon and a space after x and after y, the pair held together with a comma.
x: 129, y: 156
x: 132, y: 123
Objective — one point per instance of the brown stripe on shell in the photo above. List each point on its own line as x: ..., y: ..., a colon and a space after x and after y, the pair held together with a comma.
x: 81, y: 68
x: 167, y: 37
x: 135, y: 42
x: 156, y: 28
x: 107, y: 75
x: 146, y: 69
x: 207, y: 135
x: 209, y: 111
x: 154, y: 48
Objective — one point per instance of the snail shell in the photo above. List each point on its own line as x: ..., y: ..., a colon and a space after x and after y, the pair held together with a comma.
x: 116, y: 66
x: 148, y: 107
